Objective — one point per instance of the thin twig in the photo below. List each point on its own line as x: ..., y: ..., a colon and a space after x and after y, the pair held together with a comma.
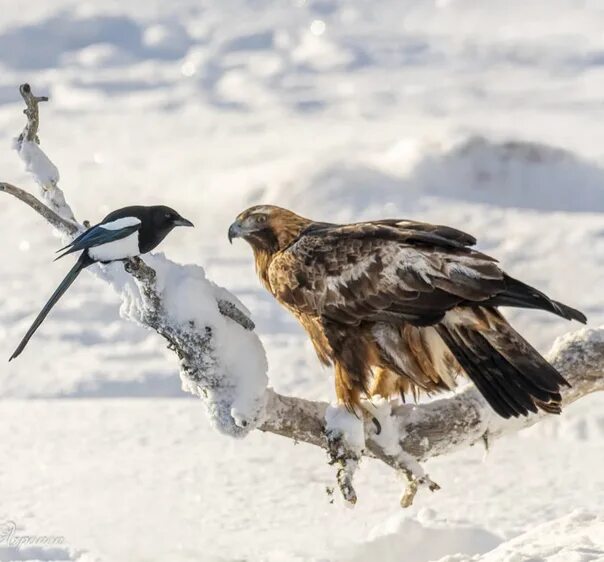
x: 30, y: 132
x: 228, y: 309
x: 51, y: 216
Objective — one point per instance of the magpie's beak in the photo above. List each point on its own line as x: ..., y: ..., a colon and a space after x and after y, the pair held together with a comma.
x: 180, y: 221
x: 235, y: 231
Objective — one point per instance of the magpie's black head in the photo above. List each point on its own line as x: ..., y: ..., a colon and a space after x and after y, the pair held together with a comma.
x: 157, y: 223
x: 163, y: 217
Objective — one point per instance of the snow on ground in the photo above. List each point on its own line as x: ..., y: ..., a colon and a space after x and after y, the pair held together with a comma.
x: 485, y: 116
x: 149, y: 479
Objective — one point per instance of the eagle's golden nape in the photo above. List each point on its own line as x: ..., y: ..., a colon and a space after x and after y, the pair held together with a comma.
x: 402, y: 308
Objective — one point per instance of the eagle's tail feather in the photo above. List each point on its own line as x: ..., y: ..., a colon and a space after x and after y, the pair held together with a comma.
x: 521, y: 295
x: 512, y: 376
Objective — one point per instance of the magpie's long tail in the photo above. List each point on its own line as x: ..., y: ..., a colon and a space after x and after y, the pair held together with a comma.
x: 83, y: 262
x: 521, y: 295
x: 511, y: 375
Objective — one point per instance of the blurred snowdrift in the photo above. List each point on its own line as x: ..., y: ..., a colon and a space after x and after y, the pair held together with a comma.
x: 423, y: 538
x: 512, y: 174
x: 576, y: 537
x: 519, y: 175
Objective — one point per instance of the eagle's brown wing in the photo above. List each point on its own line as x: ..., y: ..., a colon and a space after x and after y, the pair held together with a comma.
x: 378, y: 271
x: 381, y: 271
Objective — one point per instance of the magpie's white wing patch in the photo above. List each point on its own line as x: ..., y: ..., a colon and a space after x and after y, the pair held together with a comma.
x: 118, y: 249
x: 118, y: 224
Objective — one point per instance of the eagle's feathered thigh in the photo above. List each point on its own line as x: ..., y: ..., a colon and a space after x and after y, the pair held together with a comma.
x: 401, y: 307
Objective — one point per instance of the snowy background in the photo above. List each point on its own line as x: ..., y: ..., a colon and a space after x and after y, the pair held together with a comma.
x: 487, y: 116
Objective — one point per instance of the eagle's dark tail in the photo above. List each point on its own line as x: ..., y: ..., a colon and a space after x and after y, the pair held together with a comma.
x: 83, y: 262
x: 521, y: 295
x: 511, y: 375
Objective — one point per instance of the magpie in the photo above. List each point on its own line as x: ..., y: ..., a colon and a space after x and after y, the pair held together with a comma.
x: 122, y: 234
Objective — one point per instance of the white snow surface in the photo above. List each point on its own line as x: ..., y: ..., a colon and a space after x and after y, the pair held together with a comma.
x: 485, y: 116
x: 339, y: 421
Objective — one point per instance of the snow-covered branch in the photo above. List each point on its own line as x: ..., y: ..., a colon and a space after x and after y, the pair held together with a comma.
x: 222, y: 361
x: 442, y: 426
x: 208, y: 329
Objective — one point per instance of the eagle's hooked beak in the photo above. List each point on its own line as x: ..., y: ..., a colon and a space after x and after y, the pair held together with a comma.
x: 235, y: 231
x: 181, y: 221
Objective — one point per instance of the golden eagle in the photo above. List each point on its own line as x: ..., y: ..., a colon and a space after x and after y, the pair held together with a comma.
x: 402, y: 307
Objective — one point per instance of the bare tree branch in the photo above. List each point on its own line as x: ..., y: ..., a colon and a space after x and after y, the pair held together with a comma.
x: 424, y: 431
x: 51, y: 216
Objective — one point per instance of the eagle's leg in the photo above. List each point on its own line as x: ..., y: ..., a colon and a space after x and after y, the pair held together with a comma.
x: 354, y: 357
x: 385, y: 383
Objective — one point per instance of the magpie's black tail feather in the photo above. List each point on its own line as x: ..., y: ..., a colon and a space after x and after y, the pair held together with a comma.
x: 83, y: 262
x: 513, y: 377
x: 521, y: 295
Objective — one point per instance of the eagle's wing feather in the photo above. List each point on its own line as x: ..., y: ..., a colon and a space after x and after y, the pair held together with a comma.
x: 442, y: 231
x: 373, y: 271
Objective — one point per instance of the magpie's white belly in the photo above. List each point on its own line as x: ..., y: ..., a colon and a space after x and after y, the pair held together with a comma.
x: 116, y: 250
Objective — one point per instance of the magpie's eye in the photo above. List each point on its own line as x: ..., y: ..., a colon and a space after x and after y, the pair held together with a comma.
x: 168, y: 215
x: 260, y: 219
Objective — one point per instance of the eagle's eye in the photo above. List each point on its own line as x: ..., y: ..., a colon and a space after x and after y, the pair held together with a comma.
x: 260, y: 219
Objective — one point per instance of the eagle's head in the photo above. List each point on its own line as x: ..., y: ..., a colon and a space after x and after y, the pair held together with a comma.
x: 268, y: 228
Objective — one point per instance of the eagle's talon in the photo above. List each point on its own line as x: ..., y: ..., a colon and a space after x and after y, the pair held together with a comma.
x: 433, y: 486
x: 413, y: 486
x: 378, y: 425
